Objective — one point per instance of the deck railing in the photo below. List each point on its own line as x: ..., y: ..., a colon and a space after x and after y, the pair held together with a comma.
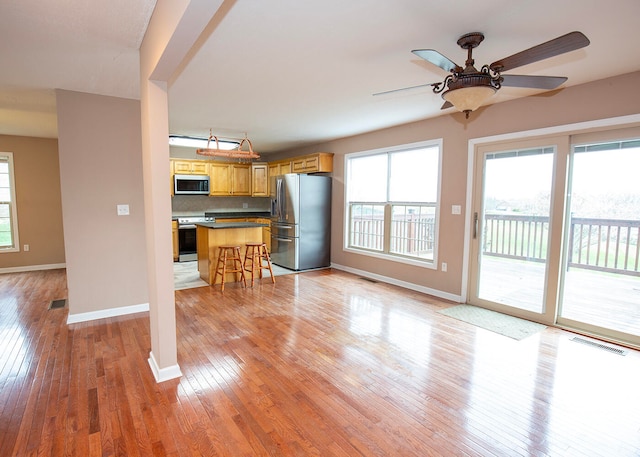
x: 597, y: 244
x: 409, y: 235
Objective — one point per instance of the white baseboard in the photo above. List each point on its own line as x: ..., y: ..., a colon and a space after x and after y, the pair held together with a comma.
x: 163, y: 374
x: 52, y: 266
x: 397, y: 282
x: 104, y: 313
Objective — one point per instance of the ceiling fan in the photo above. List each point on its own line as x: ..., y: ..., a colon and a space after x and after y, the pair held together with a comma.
x: 467, y: 88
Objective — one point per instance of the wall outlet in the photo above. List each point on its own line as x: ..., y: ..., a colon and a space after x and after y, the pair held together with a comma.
x: 123, y: 210
x: 26, y: 248
x: 444, y: 266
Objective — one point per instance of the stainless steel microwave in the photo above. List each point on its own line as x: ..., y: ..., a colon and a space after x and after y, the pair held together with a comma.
x: 191, y: 185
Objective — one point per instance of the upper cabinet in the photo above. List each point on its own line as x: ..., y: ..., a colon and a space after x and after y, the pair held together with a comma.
x: 190, y: 167
x: 230, y: 179
x: 320, y: 162
x: 279, y: 168
x: 245, y: 179
x: 259, y: 179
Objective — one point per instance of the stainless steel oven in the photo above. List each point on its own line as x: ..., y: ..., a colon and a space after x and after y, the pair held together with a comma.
x: 187, y: 240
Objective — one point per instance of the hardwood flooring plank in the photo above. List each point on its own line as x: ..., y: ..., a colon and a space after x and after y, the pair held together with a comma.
x: 321, y: 363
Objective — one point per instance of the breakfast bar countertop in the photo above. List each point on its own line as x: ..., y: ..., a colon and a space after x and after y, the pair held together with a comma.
x: 230, y: 225
x: 235, y: 214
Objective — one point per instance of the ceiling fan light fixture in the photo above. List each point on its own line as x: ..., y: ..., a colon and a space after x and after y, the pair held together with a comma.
x: 467, y: 88
x: 467, y: 99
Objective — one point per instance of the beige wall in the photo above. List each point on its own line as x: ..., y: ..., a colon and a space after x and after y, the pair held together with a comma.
x: 602, y: 99
x: 38, y: 202
x: 101, y: 167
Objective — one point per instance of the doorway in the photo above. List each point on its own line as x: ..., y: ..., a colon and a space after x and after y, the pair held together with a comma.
x: 600, y: 285
x: 512, y: 227
x: 555, y: 224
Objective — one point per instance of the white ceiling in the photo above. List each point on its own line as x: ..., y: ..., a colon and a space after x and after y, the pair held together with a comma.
x: 293, y: 72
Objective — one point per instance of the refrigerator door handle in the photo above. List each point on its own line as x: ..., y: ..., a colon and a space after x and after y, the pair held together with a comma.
x: 279, y: 197
x: 283, y: 239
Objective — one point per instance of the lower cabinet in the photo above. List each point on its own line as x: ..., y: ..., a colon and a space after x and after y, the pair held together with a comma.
x: 266, y: 232
x: 174, y: 235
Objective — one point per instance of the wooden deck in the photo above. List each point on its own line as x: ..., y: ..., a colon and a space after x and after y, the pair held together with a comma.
x: 321, y: 363
x: 598, y: 298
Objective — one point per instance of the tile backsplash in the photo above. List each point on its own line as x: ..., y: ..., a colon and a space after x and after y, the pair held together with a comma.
x: 185, y: 205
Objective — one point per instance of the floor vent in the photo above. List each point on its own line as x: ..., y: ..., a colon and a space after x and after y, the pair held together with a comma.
x: 600, y: 346
x: 58, y: 303
x: 369, y: 279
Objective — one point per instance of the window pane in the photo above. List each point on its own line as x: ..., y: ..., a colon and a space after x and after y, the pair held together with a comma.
x: 413, y: 230
x: 407, y: 177
x: 367, y: 227
x: 367, y: 179
x: 5, y: 226
x: 414, y: 175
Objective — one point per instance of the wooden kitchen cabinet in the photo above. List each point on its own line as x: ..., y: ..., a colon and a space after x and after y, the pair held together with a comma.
x: 266, y: 232
x: 259, y: 180
x: 174, y: 235
x: 190, y: 167
x: 229, y: 179
x: 279, y: 168
x: 320, y: 162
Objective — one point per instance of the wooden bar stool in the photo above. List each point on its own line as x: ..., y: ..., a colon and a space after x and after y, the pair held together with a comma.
x: 229, y: 261
x: 254, y: 259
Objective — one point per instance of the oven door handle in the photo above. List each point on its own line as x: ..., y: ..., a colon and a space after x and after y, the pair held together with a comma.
x: 188, y: 226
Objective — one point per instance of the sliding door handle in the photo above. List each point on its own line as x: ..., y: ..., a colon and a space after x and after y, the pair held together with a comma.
x: 475, y: 225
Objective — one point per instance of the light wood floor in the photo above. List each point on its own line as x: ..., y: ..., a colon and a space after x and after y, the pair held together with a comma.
x: 322, y: 363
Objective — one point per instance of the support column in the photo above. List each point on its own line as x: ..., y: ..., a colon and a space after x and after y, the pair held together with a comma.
x: 174, y: 28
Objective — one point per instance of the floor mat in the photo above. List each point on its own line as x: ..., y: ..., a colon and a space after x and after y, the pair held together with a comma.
x: 503, y: 324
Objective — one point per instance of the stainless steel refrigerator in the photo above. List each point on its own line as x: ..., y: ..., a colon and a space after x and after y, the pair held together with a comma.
x: 301, y: 221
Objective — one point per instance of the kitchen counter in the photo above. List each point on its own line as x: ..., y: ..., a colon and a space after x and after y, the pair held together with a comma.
x: 230, y: 225
x: 211, y: 235
x: 236, y: 214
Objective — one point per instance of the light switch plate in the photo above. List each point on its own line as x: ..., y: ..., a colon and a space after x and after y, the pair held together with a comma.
x: 456, y: 209
x: 123, y: 210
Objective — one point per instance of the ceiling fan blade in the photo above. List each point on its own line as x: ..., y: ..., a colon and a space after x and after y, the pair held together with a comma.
x: 402, y: 89
x: 535, y: 82
x: 565, y: 43
x: 436, y: 58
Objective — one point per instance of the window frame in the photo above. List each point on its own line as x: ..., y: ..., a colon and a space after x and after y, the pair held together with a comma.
x: 13, y: 207
x: 386, y: 254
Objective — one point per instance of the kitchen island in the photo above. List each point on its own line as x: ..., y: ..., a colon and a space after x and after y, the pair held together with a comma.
x: 211, y: 235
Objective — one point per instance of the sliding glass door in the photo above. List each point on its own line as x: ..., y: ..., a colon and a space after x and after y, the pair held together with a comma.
x: 601, y: 268
x: 555, y: 231
x: 511, y: 226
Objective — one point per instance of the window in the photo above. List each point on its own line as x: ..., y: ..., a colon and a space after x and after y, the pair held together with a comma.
x: 8, y: 221
x: 392, y: 202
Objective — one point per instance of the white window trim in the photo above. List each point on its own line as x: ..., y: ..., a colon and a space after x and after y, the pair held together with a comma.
x: 428, y: 264
x: 14, y: 206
